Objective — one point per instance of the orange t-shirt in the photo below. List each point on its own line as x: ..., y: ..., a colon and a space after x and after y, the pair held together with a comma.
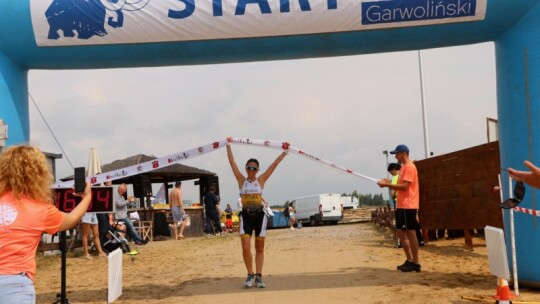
x: 410, y: 197
x: 21, y: 226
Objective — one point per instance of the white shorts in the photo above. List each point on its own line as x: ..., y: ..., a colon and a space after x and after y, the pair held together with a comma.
x: 90, y: 218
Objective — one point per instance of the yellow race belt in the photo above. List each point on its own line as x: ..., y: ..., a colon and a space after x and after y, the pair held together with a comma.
x: 252, y: 201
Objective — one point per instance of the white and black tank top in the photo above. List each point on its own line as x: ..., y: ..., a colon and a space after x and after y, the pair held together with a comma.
x: 251, y: 196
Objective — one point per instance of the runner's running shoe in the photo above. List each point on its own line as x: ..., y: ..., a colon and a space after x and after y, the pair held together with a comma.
x: 249, y: 281
x: 258, y: 281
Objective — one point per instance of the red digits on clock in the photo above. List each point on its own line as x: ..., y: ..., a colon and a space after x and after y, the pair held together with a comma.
x: 69, y: 201
x: 103, y: 197
x: 58, y: 199
x: 101, y: 201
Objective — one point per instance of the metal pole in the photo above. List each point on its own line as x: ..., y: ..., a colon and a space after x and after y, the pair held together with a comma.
x: 424, y: 110
x: 61, y: 297
x: 385, y: 152
x: 513, y: 242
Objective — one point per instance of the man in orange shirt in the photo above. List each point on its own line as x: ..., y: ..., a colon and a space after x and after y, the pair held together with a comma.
x: 408, y: 203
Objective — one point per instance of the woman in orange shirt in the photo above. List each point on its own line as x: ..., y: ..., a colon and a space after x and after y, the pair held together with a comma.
x: 26, y: 211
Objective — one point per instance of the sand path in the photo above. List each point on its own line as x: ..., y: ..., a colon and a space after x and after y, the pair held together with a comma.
x: 352, y: 263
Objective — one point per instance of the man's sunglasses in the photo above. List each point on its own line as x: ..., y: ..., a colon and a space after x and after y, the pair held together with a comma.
x: 249, y: 168
x: 519, y: 193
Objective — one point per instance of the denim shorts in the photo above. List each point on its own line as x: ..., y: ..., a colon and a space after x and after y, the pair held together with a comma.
x: 16, y: 289
x: 90, y: 218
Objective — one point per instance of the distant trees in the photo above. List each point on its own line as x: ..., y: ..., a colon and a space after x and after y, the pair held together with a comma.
x: 367, y: 199
x: 363, y: 199
x: 280, y: 206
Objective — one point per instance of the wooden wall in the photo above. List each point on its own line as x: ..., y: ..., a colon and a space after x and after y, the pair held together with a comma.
x: 456, y: 189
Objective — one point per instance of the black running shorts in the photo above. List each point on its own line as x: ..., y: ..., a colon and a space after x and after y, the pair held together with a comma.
x: 250, y: 222
x: 406, y: 219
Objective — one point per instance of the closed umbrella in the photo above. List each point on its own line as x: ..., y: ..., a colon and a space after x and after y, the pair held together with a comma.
x: 94, y: 166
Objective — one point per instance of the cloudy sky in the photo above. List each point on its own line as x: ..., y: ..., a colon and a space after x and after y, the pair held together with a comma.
x: 344, y: 109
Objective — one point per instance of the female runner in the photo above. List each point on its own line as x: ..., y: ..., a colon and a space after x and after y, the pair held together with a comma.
x: 252, y: 217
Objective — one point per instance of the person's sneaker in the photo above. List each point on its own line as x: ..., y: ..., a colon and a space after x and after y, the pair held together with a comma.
x: 402, y: 265
x: 259, y: 282
x: 208, y: 235
x: 141, y: 242
x: 249, y: 281
x: 422, y: 244
x: 410, y: 266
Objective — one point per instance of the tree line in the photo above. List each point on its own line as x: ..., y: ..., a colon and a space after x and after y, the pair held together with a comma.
x: 363, y: 199
x: 367, y: 199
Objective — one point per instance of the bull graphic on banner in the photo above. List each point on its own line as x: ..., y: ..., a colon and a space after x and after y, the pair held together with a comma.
x: 87, y: 18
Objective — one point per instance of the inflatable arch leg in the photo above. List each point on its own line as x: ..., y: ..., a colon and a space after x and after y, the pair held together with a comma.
x: 14, y: 100
x: 518, y: 79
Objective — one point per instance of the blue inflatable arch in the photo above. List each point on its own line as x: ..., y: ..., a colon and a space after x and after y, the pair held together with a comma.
x: 76, y: 34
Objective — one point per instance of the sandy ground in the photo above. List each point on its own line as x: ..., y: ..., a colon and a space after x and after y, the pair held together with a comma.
x: 353, y: 263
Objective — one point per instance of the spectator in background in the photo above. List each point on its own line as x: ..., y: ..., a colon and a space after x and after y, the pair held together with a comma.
x: 28, y: 210
x: 211, y: 210
x: 104, y: 220
x: 178, y: 212
x: 228, y: 218
x: 90, y: 223
x: 393, y: 169
x: 121, y: 215
x: 292, y: 218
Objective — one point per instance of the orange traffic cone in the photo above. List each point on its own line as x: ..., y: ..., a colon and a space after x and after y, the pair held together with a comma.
x: 503, y: 292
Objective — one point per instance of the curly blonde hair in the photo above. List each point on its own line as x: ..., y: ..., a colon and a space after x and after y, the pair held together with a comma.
x: 25, y: 172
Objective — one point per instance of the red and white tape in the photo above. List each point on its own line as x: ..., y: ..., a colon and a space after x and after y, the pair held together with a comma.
x: 528, y: 211
x: 294, y: 150
x: 179, y: 157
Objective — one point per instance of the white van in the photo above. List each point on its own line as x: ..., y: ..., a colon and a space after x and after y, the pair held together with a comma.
x: 349, y: 202
x: 320, y: 208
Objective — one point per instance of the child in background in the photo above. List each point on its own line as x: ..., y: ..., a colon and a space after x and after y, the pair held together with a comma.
x: 228, y: 218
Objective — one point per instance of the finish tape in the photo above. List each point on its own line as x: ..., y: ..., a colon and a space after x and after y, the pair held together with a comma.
x: 528, y: 211
x: 179, y: 157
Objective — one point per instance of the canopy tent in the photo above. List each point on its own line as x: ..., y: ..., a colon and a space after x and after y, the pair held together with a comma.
x: 176, y: 172
x: 173, y: 173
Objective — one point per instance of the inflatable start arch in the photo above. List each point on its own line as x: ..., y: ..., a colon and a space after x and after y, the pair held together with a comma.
x: 85, y: 34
